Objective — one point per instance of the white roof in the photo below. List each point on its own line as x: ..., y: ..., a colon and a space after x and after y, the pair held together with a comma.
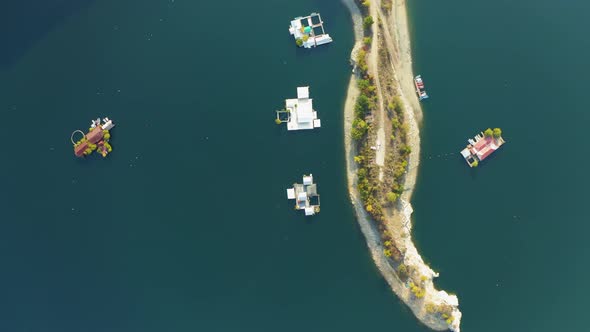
x: 323, y: 39
x: 307, y: 180
x: 309, y: 43
x: 302, y: 114
x: 290, y: 193
x: 294, y: 125
x: 305, y: 110
x: 108, y: 125
x: 317, y: 123
x: 303, y: 92
x: 295, y: 28
x: 305, y: 117
x: 302, y: 197
x: 309, y: 211
x: 290, y: 103
x: 465, y: 153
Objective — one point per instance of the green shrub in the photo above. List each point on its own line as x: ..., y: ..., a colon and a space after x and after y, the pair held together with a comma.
x: 497, y: 132
x: 368, y: 21
x: 398, y: 105
x: 405, y: 149
x: 391, y: 196
x: 362, y: 173
x: 366, y: 87
x: 402, y: 269
x: 359, y: 129
x: 362, y: 106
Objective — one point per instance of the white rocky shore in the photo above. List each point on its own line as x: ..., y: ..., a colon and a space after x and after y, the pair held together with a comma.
x: 401, y: 218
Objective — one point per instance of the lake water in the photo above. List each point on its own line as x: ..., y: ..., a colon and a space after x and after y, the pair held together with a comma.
x: 186, y: 226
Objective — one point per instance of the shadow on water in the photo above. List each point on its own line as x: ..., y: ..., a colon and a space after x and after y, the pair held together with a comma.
x: 23, y: 23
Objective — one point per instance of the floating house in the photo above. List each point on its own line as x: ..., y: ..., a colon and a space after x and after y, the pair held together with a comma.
x: 309, y: 31
x: 305, y: 195
x: 299, y: 113
x: 420, y: 90
x: 482, y: 146
x: 97, y: 138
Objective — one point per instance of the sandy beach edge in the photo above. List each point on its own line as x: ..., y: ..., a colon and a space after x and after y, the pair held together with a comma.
x: 413, y: 114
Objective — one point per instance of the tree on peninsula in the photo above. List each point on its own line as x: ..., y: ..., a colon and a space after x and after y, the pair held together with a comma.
x: 359, y: 129
x: 391, y: 197
x: 387, y: 252
x: 402, y: 270
x: 368, y: 21
x: 362, y: 106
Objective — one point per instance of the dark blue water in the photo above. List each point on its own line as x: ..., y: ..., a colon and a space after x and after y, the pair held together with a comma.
x: 510, y: 236
x: 186, y: 227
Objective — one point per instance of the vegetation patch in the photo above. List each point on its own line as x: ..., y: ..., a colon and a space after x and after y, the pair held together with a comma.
x: 377, y: 195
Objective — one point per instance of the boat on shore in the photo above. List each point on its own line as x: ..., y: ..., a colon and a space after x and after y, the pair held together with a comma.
x: 420, y: 88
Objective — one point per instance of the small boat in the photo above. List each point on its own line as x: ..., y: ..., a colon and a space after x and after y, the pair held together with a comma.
x: 420, y: 87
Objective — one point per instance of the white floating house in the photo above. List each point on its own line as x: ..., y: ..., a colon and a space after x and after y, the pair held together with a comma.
x: 107, y: 123
x: 309, y: 31
x: 305, y: 195
x: 299, y: 112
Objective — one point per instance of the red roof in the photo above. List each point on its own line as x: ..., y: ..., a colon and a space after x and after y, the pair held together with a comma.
x: 95, y: 135
x: 485, y: 152
x: 484, y: 147
x: 79, y: 150
x: 482, y: 143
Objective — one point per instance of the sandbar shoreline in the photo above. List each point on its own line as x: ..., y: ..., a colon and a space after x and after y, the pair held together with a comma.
x: 397, y: 25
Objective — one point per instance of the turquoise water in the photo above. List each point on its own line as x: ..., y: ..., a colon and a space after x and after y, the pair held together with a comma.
x: 510, y: 236
x: 186, y: 227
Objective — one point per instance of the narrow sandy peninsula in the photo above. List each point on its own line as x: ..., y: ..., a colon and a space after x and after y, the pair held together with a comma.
x: 382, y: 143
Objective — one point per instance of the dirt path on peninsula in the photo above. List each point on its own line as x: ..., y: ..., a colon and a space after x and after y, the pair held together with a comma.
x: 396, y: 39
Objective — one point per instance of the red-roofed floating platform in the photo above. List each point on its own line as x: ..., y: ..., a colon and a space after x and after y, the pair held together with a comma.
x: 97, y: 138
x: 482, y: 146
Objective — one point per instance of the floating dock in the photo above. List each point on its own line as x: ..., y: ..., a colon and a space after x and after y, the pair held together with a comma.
x: 482, y: 146
x: 299, y: 113
x: 309, y: 31
x: 305, y: 195
x: 97, y: 138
